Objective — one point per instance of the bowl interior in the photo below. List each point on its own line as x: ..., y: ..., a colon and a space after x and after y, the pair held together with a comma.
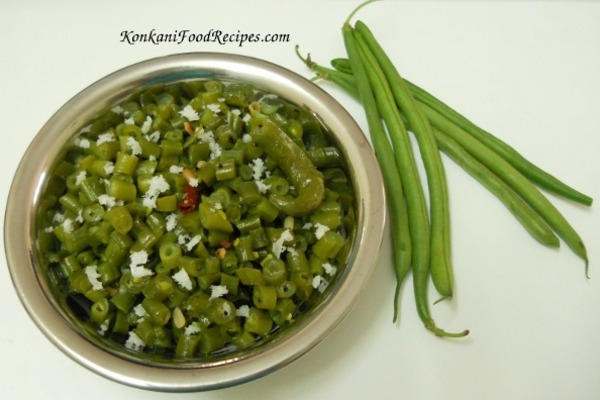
x: 56, y: 319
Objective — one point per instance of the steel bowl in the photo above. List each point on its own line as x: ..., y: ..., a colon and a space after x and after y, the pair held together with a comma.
x: 56, y: 321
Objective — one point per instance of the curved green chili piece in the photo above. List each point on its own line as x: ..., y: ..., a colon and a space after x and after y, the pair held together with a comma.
x: 294, y: 161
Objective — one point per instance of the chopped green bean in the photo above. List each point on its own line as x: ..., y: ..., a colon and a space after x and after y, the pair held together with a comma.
x: 179, y: 223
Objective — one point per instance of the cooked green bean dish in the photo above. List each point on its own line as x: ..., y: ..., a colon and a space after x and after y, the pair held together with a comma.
x: 196, y: 218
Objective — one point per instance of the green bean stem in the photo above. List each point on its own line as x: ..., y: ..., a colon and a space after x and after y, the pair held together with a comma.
x: 343, y: 80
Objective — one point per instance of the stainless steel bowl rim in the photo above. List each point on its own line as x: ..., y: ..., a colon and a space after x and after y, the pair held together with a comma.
x: 19, y: 229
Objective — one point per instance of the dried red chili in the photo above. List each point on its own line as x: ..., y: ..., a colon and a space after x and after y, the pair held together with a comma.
x: 189, y: 200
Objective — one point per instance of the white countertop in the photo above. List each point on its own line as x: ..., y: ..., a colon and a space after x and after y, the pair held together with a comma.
x: 527, y: 71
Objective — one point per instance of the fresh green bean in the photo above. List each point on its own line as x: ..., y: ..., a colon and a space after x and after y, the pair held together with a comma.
x: 344, y: 80
x: 417, y: 213
x: 342, y: 65
x: 526, y: 216
x: 519, y: 162
x: 401, y: 237
x: 530, y: 220
x: 518, y: 182
x: 440, y: 258
x: 516, y: 159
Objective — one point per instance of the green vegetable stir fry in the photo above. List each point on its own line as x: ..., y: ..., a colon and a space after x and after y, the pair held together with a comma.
x: 197, y: 218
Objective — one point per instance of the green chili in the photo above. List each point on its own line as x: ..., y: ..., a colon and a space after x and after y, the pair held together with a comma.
x: 295, y: 163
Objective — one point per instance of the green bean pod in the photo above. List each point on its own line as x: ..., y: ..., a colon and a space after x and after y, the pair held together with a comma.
x: 515, y: 179
x: 401, y: 235
x: 530, y: 220
x: 516, y: 159
x: 417, y: 211
x: 523, y: 165
x: 440, y: 258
